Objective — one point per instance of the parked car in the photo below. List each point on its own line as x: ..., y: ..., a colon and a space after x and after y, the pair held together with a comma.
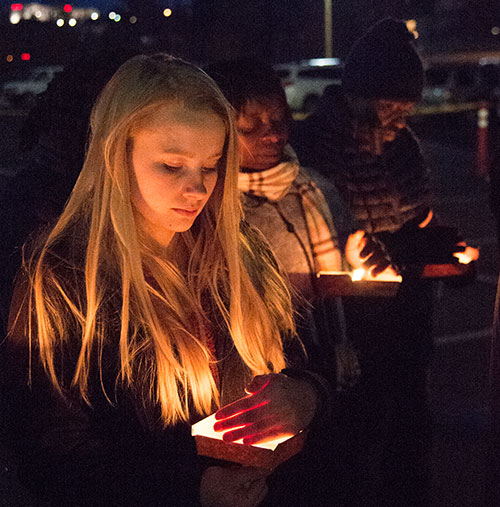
x: 305, y: 81
x: 464, y: 80
x: 23, y: 90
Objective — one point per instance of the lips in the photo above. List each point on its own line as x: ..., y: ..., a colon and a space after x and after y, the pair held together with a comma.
x: 186, y: 212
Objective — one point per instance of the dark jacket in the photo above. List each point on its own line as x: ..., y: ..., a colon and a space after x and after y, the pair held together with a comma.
x: 113, y: 452
x: 383, y: 192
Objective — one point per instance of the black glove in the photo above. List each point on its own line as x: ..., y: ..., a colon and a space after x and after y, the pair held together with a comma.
x: 431, y: 245
x: 378, y: 257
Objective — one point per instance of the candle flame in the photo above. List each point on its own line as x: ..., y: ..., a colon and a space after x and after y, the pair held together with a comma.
x: 388, y: 275
x: 358, y: 274
x: 470, y: 254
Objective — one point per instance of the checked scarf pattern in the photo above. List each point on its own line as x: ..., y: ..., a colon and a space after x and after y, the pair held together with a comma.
x: 275, y: 183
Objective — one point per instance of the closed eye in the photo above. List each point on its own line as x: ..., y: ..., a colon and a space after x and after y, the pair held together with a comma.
x: 210, y: 169
x: 170, y: 168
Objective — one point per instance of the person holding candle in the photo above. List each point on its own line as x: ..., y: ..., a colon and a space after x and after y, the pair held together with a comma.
x: 281, y: 199
x: 148, y: 305
x: 358, y: 137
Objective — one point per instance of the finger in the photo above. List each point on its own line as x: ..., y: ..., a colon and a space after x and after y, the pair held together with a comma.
x: 249, y: 430
x: 258, y: 383
x: 243, y: 418
x: 366, y: 252
x: 459, y: 248
x: 241, y: 405
x: 380, y: 268
x: 270, y: 433
x: 374, y: 259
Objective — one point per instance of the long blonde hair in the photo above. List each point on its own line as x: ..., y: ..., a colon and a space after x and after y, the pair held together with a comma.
x: 160, y: 310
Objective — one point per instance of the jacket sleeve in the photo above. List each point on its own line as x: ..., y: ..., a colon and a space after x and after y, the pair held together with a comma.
x: 100, y: 455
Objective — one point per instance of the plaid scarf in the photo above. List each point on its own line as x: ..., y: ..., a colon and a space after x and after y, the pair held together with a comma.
x: 275, y: 183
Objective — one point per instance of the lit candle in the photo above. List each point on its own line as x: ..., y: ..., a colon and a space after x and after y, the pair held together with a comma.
x: 205, y: 428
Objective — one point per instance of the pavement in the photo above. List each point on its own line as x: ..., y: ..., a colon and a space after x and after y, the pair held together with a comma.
x: 462, y: 324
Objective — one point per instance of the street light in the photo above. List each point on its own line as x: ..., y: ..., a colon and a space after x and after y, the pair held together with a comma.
x: 328, y: 29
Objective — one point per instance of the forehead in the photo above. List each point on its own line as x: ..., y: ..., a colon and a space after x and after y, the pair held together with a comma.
x: 177, y: 113
x: 173, y: 127
x: 272, y: 105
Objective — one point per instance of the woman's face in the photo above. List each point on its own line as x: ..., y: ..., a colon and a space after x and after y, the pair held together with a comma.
x: 262, y: 133
x: 174, y: 163
x: 392, y: 115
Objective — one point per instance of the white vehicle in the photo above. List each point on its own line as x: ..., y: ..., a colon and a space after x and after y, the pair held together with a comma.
x: 461, y: 78
x: 305, y: 81
x: 34, y: 83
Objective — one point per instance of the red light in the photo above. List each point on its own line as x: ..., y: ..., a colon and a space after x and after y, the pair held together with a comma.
x: 68, y: 8
x: 25, y: 56
x: 16, y: 7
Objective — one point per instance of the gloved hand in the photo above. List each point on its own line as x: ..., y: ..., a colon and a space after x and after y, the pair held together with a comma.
x: 365, y: 251
x: 429, y: 245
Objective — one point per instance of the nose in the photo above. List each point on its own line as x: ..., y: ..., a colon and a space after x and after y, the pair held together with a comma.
x: 272, y: 132
x: 194, y: 186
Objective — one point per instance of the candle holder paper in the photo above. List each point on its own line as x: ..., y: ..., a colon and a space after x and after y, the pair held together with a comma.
x: 341, y: 283
x: 263, y: 455
x: 443, y: 271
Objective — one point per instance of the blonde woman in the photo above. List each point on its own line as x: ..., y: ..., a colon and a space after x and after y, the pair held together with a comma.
x: 148, y: 306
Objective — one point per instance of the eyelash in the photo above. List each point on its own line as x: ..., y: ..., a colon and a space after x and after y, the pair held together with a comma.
x: 173, y: 169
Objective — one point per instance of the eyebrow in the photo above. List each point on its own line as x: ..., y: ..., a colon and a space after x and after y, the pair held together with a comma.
x: 176, y: 151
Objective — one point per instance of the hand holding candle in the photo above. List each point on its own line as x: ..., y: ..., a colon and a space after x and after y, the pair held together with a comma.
x: 276, y: 406
x: 362, y: 251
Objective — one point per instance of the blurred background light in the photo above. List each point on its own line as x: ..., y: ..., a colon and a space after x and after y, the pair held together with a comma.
x: 15, y: 17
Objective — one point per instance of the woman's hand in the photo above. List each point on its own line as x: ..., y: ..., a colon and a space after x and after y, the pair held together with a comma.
x: 276, y: 406
x: 233, y: 487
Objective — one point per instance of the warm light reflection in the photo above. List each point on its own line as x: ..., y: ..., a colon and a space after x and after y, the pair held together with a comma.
x: 470, y: 254
x: 363, y: 275
x: 358, y: 274
x: 205, y: 428
x: 426, y: 220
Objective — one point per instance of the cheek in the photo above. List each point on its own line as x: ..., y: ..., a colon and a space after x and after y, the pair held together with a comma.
x: 210, y: 182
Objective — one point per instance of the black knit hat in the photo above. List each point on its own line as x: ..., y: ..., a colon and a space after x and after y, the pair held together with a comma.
x: 383, y: 64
